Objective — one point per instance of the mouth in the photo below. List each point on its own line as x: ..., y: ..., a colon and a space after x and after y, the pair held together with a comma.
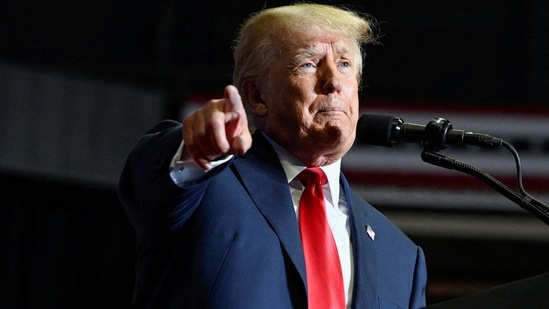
x: 331, y: 106
x: 331, y: 109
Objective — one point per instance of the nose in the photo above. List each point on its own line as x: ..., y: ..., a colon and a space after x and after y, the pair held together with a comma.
x: 330, y: 79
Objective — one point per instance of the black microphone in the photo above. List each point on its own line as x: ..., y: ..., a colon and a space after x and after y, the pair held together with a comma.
x: 385, y: 130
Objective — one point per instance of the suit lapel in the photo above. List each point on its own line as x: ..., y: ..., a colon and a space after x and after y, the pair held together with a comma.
x: 364, y: 255
x: 265, y: 181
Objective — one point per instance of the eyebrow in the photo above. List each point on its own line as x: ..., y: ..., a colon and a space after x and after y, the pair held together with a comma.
x: 311, y: 51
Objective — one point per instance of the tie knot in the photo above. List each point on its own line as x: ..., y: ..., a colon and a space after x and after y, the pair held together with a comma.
x: 312, y: 175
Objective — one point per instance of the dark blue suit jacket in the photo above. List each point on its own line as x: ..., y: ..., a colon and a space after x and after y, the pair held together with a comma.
x: 231, y: 240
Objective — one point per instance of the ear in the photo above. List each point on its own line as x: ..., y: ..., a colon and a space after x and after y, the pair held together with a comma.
x: 252, y: 95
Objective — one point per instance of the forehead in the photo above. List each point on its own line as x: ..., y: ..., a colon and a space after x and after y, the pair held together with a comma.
x: 324, y: 47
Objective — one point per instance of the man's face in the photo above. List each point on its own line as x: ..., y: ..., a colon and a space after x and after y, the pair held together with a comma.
x: 311, y: 96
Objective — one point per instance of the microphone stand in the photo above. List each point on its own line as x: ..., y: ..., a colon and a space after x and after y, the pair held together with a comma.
x: 525, y: 201
x: 434, y: 140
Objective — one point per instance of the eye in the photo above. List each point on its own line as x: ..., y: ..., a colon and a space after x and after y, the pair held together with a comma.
x: 344, y: 63
x: 308, y: 67
x: 345, y: 66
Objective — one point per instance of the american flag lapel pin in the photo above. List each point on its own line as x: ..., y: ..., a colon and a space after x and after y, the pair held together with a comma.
x: 370, y: 232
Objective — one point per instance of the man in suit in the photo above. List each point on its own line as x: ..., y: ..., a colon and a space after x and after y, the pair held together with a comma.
x: 216, y: 202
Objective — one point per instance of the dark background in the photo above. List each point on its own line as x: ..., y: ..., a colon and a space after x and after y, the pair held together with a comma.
x: 68, y: 244
x: 471, y: 52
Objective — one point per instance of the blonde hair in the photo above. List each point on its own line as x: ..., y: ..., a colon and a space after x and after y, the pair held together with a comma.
x: 262, y: 35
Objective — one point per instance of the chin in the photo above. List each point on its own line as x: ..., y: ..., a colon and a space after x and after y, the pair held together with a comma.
x: 337, y: 138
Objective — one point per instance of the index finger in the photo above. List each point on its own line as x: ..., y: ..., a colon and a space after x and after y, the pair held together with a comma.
x: 233, y: 101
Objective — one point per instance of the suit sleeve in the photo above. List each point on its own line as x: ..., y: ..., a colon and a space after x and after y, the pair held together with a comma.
x: 417, y: 299
x: 145, y: 188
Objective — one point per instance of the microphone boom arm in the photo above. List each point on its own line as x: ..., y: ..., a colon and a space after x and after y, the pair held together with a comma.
x: 525, y: 201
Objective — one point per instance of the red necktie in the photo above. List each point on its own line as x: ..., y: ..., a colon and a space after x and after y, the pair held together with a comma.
x: 324, y: 277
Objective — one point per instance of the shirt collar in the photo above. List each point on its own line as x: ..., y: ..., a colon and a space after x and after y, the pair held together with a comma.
x: 292, y: 167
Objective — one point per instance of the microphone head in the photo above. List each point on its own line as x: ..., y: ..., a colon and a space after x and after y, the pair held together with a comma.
x: 375, y: 129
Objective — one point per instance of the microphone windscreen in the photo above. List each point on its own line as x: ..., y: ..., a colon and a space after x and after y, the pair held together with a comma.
x: 375, y: 129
